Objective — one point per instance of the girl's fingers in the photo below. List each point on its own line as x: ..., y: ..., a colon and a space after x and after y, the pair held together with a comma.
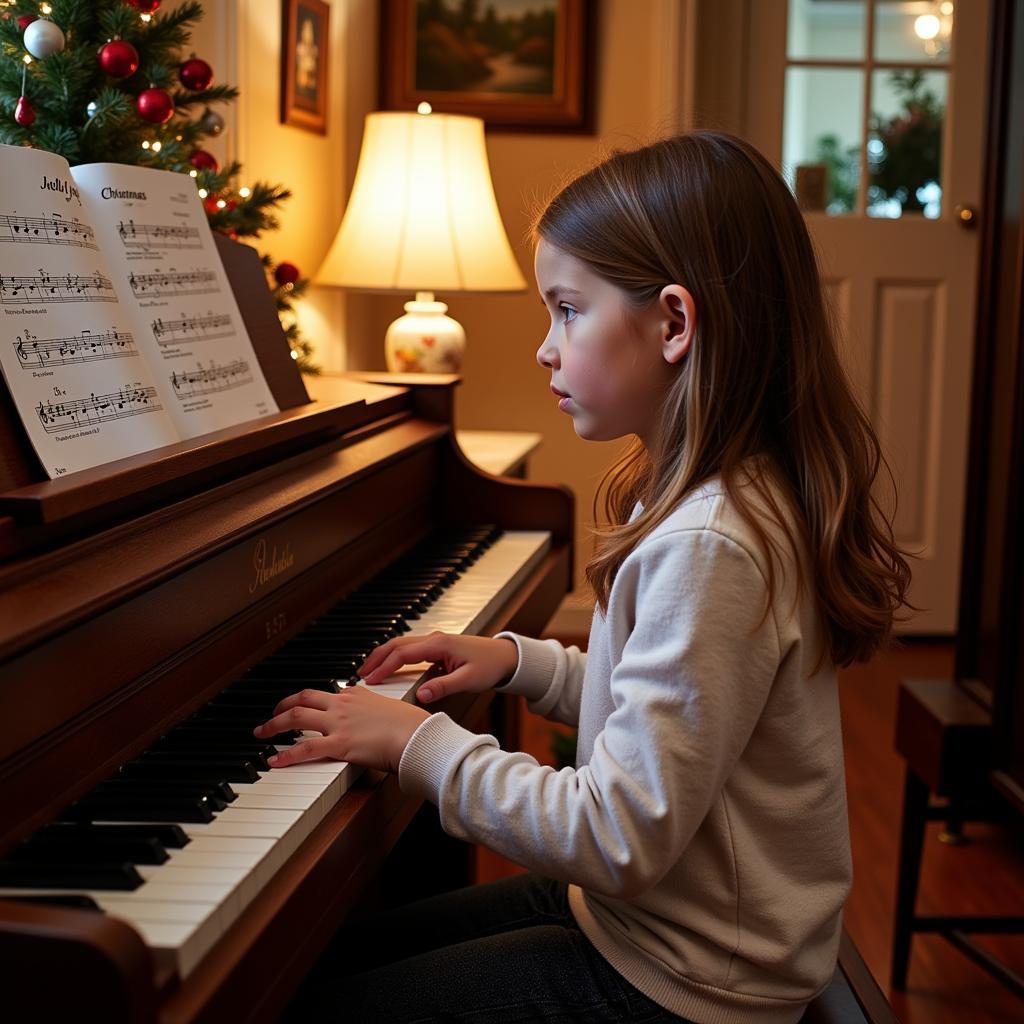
x: 415, y: 649
x: 307, y: 750
x: 379, y: 652
x: 319, y: 699
x: 294, y: 718
x: 441, y: 686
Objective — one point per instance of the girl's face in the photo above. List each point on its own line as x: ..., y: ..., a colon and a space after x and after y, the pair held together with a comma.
x: 604, y: 357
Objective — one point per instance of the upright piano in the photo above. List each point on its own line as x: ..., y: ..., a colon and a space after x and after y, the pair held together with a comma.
x: 153, y: 609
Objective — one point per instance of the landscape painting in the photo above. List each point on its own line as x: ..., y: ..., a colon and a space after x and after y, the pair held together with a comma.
x: 518, y: 64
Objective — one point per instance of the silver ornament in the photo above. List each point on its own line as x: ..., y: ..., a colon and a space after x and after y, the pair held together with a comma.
x: 211, y: 122
x: 43, y: 38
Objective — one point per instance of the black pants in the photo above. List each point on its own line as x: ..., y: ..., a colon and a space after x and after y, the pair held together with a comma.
x: 503, y: 952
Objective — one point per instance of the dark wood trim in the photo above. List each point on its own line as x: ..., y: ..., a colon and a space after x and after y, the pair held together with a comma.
x: 977, y: 464
x: 80, y: 960
x: 865, y: 989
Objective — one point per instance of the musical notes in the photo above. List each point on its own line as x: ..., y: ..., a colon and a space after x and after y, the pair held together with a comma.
x: 207, y: 380
x: 54, y: 230
x: 76, y: 348
x: 192, y: 328
x: 55, y: 288
x: 173, y: 282
x: 158, y: 236
x: 67, y: 414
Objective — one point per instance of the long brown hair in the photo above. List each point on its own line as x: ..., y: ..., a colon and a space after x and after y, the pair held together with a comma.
x: 762, y: 385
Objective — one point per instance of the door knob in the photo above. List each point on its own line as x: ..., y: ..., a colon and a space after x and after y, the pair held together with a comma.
x: 966, y: 215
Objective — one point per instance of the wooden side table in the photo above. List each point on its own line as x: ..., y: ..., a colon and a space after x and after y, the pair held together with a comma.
x: 501, y: 452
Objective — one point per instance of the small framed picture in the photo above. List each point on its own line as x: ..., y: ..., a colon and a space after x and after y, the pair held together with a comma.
x: 304, y: 64
x: 521, y: 65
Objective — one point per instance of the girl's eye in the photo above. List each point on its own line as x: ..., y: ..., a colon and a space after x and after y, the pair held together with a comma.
x: 568, y: 313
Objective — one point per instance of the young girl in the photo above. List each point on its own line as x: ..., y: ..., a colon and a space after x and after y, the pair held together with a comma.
x: 694, y: 864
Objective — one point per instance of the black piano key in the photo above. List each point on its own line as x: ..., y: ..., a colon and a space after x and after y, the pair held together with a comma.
x: 355, y: 616
x: 217, y: 733
x: 46, y: 848
x: 69, y: 876
x: 171, y: 770
x: 321, y: 672
x: 226, y: 770
x: 138, y: 807
x: 254, y: 751
x: 71, y: 900
x: 163, y: 788
x: 171, y: 836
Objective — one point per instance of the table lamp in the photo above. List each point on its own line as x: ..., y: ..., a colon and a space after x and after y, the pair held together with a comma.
x: 422, y: 218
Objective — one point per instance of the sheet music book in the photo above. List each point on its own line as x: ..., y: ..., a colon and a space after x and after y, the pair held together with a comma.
x: 119, y: 332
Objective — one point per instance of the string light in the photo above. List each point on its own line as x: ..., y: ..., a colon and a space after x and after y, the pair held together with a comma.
x: 27, y: 59
x: 203, y: 193
x: 221, y: 204
x: 145, y: 18
x: 193, y: 173
x: 145, y: 143
x: 156, y: 147
x: 45, y: 9
x: 244, y: 192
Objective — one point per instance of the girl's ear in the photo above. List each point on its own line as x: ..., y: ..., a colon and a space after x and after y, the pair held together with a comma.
x: 678, y: 322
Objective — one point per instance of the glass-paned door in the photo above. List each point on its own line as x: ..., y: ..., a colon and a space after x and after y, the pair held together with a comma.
x: 874, y: 72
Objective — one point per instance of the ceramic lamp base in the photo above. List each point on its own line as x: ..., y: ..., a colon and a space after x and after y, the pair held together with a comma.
x: 425, y: 340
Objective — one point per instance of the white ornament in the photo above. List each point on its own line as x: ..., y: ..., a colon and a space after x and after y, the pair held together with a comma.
x: 43, y: 38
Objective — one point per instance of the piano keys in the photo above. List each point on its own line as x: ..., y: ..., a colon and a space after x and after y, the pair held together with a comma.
x: 222, y: 821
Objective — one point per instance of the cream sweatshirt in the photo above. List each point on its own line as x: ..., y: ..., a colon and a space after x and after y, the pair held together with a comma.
x: 703, y: 831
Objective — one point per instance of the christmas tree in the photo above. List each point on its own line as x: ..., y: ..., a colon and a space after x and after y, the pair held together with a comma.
x: 108, y: 80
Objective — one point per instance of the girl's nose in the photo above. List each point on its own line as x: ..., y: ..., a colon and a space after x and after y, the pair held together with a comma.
x: 547, y: 354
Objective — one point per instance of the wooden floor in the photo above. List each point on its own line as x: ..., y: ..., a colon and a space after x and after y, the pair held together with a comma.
x: 984, y: 877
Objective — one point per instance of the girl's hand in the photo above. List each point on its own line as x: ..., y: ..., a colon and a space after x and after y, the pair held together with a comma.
x: 358, y: 726
x: 472, y: 664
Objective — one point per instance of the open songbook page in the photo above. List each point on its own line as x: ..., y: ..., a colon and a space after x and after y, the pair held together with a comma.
x: 119, y: 332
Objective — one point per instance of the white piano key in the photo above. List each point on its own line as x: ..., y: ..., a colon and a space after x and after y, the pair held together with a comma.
x: 180, y: 933
x: 188, y: 874
x: 276, y: 801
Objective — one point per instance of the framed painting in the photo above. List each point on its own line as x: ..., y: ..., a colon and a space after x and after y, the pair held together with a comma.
x: 521, y: 65
x: 304, y: 64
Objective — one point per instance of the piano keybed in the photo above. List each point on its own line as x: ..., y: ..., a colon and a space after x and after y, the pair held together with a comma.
x: 183, y: 838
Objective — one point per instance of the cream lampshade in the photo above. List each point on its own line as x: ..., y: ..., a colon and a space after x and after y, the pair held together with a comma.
x: 422, y: 218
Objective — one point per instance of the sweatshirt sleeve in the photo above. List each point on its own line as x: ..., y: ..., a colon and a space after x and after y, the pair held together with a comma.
x: 549, y: 676
x: 691, y: 683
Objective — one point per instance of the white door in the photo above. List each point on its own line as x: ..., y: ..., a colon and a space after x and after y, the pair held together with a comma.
x: 874, y: 109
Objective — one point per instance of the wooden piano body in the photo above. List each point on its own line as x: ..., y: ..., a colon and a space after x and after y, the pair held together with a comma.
x: 132, y: 594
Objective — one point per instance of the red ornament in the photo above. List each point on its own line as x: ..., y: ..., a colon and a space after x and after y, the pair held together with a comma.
x: 232, y: 204
x: 119, y: 59
x: 24, y: 20
x: 24, y: 112
x: 155, y: 105
x: 286, y: 273
x: 196, y: 74
x: 204, y: 161
x: 210, y: 204
x: 146, y: 6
